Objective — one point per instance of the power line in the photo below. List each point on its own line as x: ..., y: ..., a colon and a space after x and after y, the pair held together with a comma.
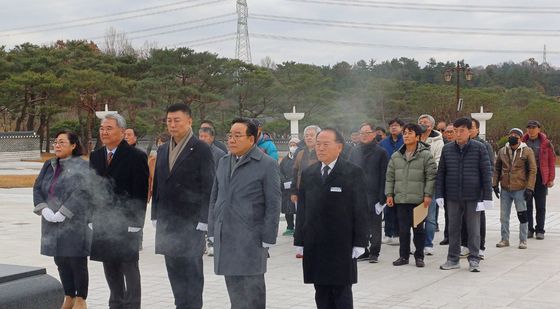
x: 431, y: 7
x: 408, y: 28
x: 378, y: 45
x: 184, y: 29
x: 202, y: 41
x: 453, y: 5
x: 114, y: 19
x: 99, y: 16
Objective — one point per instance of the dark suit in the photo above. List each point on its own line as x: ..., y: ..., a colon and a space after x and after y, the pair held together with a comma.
x: 331, y: 220
x: 120, y: 203
x: 180, y: 202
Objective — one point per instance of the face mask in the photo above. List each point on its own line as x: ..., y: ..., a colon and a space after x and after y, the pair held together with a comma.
x: 513, y: 140
x: 378, y: 138
x: 293, y: 149
x: 423, y: 127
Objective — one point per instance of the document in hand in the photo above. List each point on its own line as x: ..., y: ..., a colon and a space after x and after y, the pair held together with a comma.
x: 419, y: 214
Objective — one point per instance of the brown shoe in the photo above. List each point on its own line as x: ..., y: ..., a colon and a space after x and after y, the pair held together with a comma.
x: 80, y: 303
x: 68, y: 303
x: 503, y: 243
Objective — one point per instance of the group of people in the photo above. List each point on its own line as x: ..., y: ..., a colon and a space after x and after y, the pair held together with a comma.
x: 226, y: 201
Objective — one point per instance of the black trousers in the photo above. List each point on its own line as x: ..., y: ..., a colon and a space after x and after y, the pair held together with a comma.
x: 334, y: 296
x: 375, y: 232
x: 123, y: 279
x: 290, y: 221
x: 539, y: 198
x: 187, y: 280
x: 246, y: 292
x: 446, y: 228
x: 74, y: 275
x: 465, y: 234
x: 405, y: 213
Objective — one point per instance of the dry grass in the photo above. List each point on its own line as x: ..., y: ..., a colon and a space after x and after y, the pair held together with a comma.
x: 17, y: 181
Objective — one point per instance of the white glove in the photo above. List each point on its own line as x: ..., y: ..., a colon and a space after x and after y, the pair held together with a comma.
x: 265, y: 245
x: 357, y: 251
x: 299, y: 250
x: 480, y: 206
x: 154, y: 223
x: 440, y: 202
x: 90, y: 225
x: 211, y: 238
x: 48, y: 214
x: 58, y: 217
x: 132, y: 229
x: 488, y: 205
x: 379, y: 208
x: 203, y: 227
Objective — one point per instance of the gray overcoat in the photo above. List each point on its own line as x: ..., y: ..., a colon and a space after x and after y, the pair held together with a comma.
x: 244, y: 213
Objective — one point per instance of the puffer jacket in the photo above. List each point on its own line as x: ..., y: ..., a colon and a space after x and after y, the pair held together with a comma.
x: 515, y: 169
x: 547, y: 158
x: 267, y: 146
x: 464, y: 174
x: 435, y: 141
x: 409, y: 181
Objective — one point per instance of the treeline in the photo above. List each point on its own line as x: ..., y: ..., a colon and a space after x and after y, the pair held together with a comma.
x: 45, y: 88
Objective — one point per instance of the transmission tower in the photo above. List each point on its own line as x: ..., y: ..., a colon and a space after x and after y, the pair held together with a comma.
x: 544, y: 55
x: 242, y: 48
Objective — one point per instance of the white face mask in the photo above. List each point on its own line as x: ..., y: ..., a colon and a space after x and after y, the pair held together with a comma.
x: 293, y: 149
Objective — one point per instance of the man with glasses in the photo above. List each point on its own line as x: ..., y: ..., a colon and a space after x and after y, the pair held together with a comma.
x: 373, y: 160
x: 546, y: 159
x: 244, y: 214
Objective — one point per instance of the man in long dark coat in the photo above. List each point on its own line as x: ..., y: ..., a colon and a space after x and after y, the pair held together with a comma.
x: 119, y: 211
x: 182, y: 184
x: 331, y: 222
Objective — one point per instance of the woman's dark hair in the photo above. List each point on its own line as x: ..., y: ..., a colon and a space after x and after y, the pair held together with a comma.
x: 463, y: 122
x: 414, y: 128
x: 74, y: 140
x: 252, y: 129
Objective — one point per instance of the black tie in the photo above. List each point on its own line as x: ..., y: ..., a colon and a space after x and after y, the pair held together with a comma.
x: 325, y: 173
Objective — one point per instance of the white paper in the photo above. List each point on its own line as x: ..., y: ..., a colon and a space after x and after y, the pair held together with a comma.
x: 287, y: 185
x: 379, y: 208
x: 440, y: 202
x: 480, y: 206
x: 336, y: 189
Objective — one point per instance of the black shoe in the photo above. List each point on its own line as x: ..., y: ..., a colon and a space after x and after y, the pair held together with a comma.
x: 540, y: 236
x: 374, y: 259
x: 400, y: 261
x: 420, y: 263
x: 444, y: 242
x: 531, y: 234
x: 364, y: 257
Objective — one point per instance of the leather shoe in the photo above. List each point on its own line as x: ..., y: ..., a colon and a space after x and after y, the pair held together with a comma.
x: 400, y: 261
x: 444, y: 242
x: 420, y: 263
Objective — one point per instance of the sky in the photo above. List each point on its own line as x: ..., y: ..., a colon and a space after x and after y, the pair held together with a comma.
x: 322, y: 32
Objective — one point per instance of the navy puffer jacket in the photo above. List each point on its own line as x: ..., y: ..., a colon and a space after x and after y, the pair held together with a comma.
x: 464, y: 174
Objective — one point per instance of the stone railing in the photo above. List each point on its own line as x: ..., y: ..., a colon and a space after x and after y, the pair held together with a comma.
x: 16, y: 146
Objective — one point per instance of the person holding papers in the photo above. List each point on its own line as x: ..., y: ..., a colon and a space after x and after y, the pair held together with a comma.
x: 410, y: 181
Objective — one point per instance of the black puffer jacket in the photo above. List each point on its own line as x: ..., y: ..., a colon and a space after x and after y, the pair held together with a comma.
x: 464, y: 174
x: 373, y: 160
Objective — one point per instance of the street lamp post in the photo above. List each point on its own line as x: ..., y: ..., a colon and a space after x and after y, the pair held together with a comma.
x: 458, y: 69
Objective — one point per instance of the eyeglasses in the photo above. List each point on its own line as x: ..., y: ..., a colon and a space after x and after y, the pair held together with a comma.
x: 235, y: 137
x: 61, y: 144
x: 366, y: 133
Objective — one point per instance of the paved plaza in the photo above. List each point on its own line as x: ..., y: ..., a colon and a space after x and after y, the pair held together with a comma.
x: 509, y: 278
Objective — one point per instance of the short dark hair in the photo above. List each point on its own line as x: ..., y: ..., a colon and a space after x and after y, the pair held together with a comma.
x: 338, y: 136
x: 176, y: 107
x: 74, y: 139
x: 252, y: 129
x: 414, y: 128
x: 382, y: 129
x: 463, y: 122
x: 396, y: 120
x: 477, y: 123
x: 365, y: 124
x: 133, y: 131
x: 208, y: 122
x: 207, y: 130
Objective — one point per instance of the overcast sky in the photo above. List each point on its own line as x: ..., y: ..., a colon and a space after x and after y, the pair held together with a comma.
x: 368, y: 37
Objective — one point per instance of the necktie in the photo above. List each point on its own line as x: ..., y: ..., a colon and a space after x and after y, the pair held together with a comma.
x: 325, y: 173
x: 109, y: 158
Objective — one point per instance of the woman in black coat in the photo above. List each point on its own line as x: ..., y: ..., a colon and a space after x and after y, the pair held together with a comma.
x: 286, y: 174
x: 60, y: 197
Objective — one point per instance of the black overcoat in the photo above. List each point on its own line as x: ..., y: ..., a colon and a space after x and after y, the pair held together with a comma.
x: 331, y: 220
x: 72, y: 237
x: 181, y: 198
x: 286, y: 177
x: 120, y: 203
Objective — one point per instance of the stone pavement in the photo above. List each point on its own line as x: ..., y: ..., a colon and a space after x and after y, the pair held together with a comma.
x: 509, y: 278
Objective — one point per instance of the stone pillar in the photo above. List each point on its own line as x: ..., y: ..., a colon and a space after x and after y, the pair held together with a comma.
x: 482, y: 117
x: 294, y: 119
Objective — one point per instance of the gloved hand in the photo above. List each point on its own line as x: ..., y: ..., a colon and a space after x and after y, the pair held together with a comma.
x: 203, y: 227
x: 299, y: 250
x: 48, y: 214
x: 211, y: 239
x: 440, y: 201
x: 58, y: 217
x: 496, y: 191
x: 90, y: 225
x: 154, y: 223
x: 528, y: 194
x: 357, y: 251
x: 132, y: 229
